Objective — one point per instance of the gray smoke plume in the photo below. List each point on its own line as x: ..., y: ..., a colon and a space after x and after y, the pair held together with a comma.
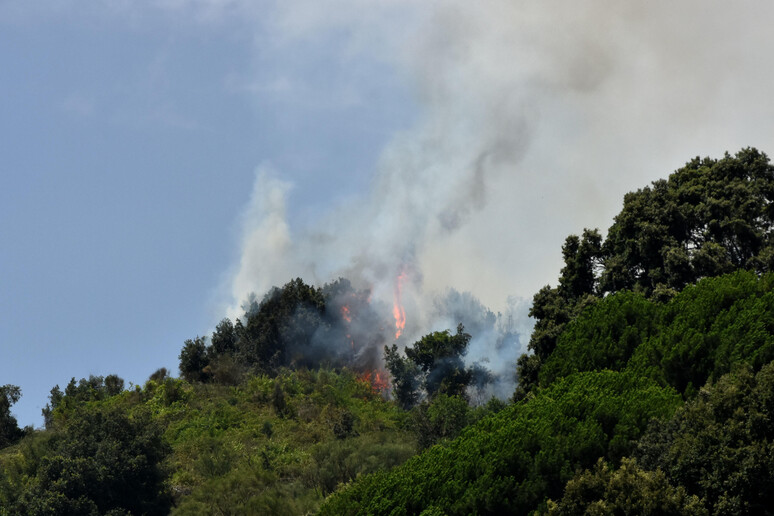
x: 535, y: 118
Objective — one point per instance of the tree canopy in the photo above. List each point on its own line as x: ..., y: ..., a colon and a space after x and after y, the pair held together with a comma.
x: 720, y: 445
x: 434, y: 363
x: 628, y: 489
x: 510, y: 462
x: 9, y: 427
x: 699, y: 335
x: 708, y: 218
x: 650, y: 390
x: 98, y: 461
x: 296, y: 325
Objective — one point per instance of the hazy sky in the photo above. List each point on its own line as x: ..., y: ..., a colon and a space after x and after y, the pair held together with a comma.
x: 161, y: 158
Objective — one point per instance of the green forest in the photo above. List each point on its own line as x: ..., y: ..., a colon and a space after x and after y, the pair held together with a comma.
x: 648, y: 388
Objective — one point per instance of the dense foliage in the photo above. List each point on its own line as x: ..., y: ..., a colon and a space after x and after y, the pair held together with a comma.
x: 98, y: 461
x: 272, y: 445
x: 708, y: 218
x: 296, y: 325
x: 650, y: 390
x: 9, y: 427
x: 696, y: 336
x: 95, y: 388
x: 433, y: 365
x: 720, y: 446
x: 715, y: 456
x: 511, y: 462
x: 628, y: 489
x: 278, y: 445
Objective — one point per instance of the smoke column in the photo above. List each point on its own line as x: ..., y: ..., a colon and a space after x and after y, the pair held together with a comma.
x: 536, y: 118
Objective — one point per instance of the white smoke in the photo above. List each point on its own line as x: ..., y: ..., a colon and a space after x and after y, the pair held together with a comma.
x: 536, y: 118
x: 266, y: 239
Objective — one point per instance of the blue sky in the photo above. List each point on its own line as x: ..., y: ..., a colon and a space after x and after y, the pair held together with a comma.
x: 130, y: 144
x: 162, y: 158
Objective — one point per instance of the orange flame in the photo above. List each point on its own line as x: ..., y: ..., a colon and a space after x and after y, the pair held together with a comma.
x: 381, y: 381
x: 397, y: 308
x: 378, y: 380
x: 346, y: 314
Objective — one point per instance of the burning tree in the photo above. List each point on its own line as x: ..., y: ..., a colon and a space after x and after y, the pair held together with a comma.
x: 434, y: 363
x: 296, y: 325
x: 405, y: 377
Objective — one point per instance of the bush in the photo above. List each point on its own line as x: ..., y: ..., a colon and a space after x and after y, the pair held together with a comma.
x: 626, y: 490
x: 720, y: 446
x: 511, y: 462
x: 101, y: 460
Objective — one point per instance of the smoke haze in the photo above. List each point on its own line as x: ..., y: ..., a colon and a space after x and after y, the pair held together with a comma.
x: 535, y: 118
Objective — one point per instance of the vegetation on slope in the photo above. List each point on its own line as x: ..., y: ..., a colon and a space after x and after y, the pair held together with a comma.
x: 709, y: 218
x: 511, y: 462
x: 271, y: 445
x: 628, y: 489
x: 715, y: 455
x: 695, y: 337
x: 283, y: 412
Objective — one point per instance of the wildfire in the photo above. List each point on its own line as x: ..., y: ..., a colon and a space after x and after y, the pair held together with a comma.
x: 397, y: 308
x: 346, y: 313
x: 378, y: 380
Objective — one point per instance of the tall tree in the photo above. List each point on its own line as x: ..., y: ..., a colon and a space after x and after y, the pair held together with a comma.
x: 224, y: 338
x: 100, y: 461
x: 405, y: 377
x: 194, y: 359
x: 720, y: 445
x: 439, y: 356
x: 9, y: 427
x: 435, y: 362
x: 708, y: 218
x: 286, y: 318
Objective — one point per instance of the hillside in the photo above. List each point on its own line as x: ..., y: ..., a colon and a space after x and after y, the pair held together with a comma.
x: 621, y: 363
x: 269, y: 445
x: 649, y: 389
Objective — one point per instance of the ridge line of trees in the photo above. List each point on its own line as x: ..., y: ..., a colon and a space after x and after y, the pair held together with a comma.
x: 708, y: 218
x: 648, y: 391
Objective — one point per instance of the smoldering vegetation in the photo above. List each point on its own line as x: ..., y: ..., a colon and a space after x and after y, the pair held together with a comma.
x: 497, y: 340
x: 296, y: 326
x: 302, y: 326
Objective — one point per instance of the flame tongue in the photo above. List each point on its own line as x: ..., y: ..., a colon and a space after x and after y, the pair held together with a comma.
x: 346, y: 313
x: 397, y: 308
x: 379, y: 380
